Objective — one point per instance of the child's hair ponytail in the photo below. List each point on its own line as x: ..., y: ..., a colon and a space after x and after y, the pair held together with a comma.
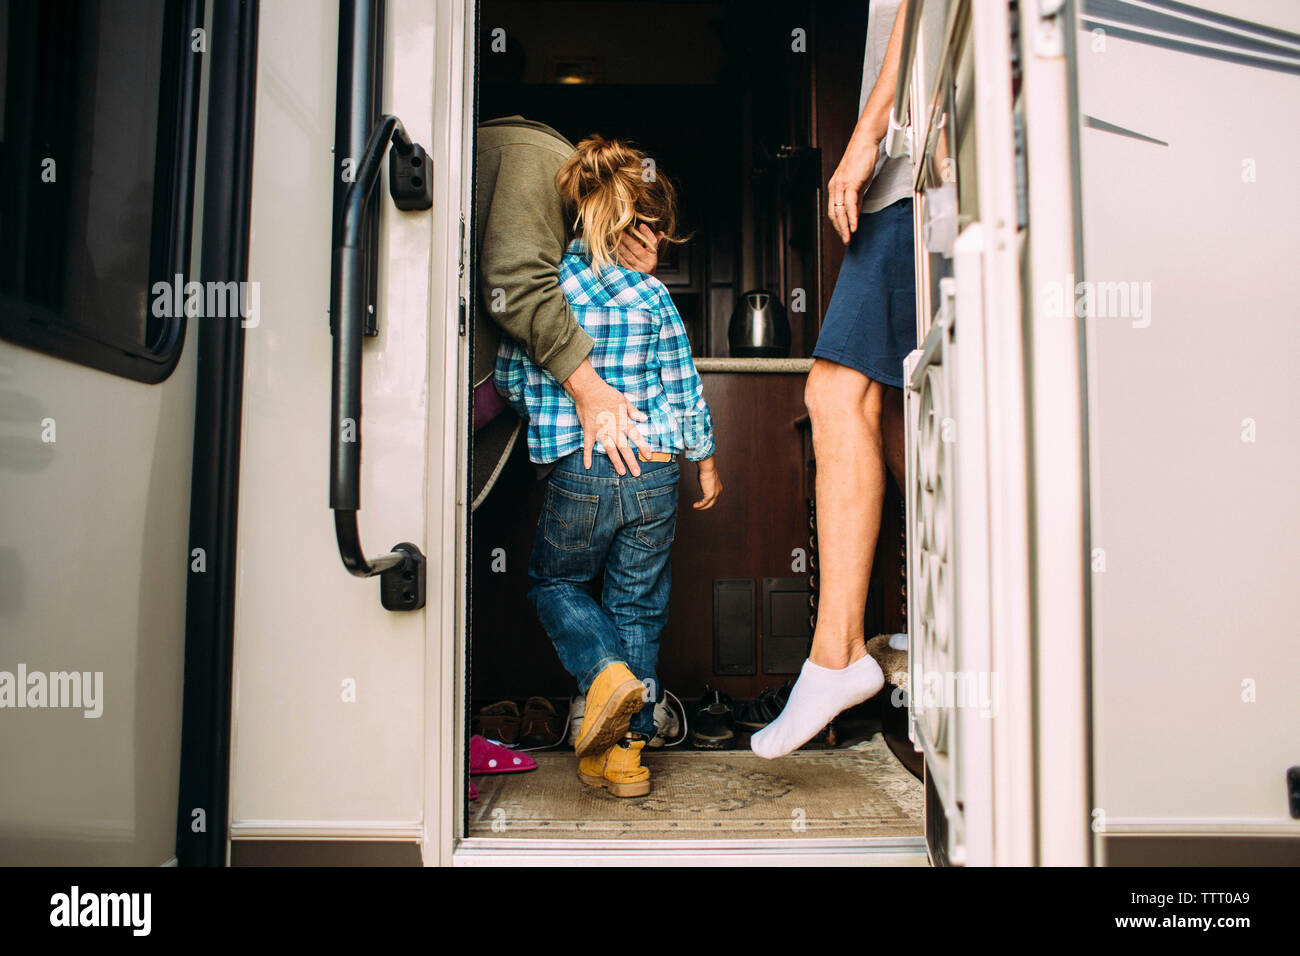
x: 610, y: 187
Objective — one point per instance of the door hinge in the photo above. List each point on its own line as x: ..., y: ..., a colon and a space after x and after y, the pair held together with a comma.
x: 462, y: 322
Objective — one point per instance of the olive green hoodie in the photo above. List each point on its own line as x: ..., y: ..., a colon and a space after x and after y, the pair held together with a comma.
x: 520, y: 235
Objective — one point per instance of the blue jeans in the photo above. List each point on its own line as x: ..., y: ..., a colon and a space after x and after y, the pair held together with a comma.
x: 593, y: 521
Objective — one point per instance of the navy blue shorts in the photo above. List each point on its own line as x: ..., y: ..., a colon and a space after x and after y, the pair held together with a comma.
x: 870, y: 324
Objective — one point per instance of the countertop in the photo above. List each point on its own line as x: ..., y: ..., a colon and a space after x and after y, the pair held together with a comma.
x: 768, y: 365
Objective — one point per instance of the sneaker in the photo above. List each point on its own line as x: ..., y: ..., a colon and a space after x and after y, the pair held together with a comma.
x: 668, y: 727
x: 714, y: 724
x: 618, y: 769
x: 754, y: 715
x: 540, y: 725
x: 577, y: 707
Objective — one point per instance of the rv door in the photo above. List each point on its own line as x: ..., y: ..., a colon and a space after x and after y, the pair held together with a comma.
x: 339, y: 707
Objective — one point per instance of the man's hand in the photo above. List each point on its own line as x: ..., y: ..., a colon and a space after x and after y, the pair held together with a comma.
x: 639, y: 251
x: 848, y: 183
x: 607, y: 415
x: 710, y: 484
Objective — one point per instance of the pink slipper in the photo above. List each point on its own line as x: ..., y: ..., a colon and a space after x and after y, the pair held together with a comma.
x: 487, y: 757
x: 473, y: 791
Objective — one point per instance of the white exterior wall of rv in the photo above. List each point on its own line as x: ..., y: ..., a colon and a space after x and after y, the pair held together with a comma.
x: 94, y: 556
x: 94, y: 565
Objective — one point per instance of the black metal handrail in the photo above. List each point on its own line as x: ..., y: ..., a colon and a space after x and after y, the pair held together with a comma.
x: 348, y: 310
x: 402, y: 569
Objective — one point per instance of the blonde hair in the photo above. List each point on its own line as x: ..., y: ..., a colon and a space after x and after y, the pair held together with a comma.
x: 609, y: 187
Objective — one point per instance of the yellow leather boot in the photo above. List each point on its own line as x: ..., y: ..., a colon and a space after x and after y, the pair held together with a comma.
x: 613, y: 697
x: 618, y: 769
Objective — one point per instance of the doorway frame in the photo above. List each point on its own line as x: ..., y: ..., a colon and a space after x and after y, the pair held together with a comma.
x: 447, y: 639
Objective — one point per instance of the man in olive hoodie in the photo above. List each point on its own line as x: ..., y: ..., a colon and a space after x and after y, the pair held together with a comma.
x: 519, y: 238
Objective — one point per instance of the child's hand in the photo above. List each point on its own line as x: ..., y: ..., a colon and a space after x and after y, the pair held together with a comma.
x: 710, y: 484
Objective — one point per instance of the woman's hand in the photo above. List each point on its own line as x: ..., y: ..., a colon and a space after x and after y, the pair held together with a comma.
x: 640, y: 251
x: 710, y: 484
x: 848, y: 183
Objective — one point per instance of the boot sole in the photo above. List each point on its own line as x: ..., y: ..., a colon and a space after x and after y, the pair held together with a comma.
x: 610, y: 725
x: 638, y: 789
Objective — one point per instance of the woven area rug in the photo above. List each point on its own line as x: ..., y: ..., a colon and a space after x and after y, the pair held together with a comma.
x: 860, y: 791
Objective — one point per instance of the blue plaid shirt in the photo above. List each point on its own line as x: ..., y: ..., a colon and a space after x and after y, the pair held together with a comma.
x: 640, y: 349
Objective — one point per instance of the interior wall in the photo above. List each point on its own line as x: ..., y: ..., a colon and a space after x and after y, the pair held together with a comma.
x: 838, y: 82
x: 678, y: 44
x: 729, y: 105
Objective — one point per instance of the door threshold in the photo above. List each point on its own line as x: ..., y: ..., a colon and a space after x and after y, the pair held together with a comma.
x: 860, y: 851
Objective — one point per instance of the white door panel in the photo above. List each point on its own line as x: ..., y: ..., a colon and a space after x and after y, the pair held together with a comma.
x: 307, y: 758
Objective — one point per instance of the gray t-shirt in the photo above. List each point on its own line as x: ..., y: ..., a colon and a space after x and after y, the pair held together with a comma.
x: 893, y: 178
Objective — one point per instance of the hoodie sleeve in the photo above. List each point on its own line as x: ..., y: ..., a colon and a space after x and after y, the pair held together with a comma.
x: 523, y: 243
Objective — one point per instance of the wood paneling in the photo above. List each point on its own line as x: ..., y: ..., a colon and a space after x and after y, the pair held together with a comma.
x: 840, y: 39
x: 751, y: 531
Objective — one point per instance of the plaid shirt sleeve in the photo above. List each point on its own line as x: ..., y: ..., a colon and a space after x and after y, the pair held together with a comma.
x: 681, y: 382
x: 510, y: 375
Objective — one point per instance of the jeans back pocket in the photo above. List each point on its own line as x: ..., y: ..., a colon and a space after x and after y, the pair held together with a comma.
x: 568, y: 518
x: 658, y: 524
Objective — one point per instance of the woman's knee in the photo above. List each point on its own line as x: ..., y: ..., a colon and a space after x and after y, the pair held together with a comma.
x: 834, y: 391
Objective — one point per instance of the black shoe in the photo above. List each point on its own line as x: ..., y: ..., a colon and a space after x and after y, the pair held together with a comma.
x: 713, y: 726
x: 754, y: 715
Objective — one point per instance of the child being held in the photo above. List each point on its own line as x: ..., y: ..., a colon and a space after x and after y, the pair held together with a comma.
x: 600, y: 531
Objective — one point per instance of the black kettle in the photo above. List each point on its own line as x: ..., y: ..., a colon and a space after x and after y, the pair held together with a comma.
x: 759, y: 327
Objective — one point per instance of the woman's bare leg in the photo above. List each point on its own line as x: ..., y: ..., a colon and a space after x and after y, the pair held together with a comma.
x: 845, y: 407
x: 846, y: 411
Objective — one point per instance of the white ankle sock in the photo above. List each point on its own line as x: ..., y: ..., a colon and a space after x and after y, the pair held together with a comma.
x: 818, y: 695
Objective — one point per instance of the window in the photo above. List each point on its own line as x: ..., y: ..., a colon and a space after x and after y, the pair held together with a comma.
x: 97, y: 140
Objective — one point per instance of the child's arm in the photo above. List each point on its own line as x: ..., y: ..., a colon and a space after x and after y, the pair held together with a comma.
x: 685, y: 393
